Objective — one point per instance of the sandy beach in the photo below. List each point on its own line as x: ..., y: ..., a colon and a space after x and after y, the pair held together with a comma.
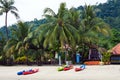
x: 105, y: 72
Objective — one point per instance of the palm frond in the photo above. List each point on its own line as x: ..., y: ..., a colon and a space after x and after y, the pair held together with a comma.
x: 16, y: 15
x: 13, y: 8
x: 49, y: 11
x: 18, y: 45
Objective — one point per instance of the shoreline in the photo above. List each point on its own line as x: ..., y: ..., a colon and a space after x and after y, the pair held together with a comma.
x: 94, y: 72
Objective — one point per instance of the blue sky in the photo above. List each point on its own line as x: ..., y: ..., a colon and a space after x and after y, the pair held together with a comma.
x: 30, y: 9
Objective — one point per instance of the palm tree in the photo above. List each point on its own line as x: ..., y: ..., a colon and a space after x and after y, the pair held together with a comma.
x: 5, y: 7
x: 75, y: 20
x: 92, y: 27
x: 2, y: 43
x: 75, y: 17
x: 58, y: 29
x: 18, y: 43
x: 35, y: 45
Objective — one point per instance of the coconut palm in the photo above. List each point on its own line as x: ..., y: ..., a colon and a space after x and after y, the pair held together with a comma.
x: 58, y: 28
x: 5, y: 7
x: 2, y: 43
x: 92, y: 27
x: 18, y: 43
x: 36, y: 45
x: 75, y: 17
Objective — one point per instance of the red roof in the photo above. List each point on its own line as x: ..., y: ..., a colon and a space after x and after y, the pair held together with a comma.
x: 116, y: 49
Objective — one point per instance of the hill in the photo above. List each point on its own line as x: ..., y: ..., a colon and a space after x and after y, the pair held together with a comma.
x: 109, y: 12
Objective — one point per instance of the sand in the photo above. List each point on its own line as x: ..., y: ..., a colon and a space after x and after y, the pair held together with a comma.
x: 105, y: 72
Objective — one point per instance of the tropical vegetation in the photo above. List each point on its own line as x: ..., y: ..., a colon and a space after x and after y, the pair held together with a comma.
x: 5, y: 7
x: 68, y: 31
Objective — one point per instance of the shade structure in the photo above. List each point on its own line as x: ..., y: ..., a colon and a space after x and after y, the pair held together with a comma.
x: 116, y: 49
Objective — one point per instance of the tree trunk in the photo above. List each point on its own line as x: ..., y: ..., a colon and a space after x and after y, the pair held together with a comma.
x: 6, y: 26
x: 73, y: 57
x: 83, y: 52
x: 38, y: 57
x: 27, y: 61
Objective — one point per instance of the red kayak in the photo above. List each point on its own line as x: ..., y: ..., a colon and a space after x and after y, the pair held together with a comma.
x: 30, y: 71
x: 82, y: 67
x: 66, y: 68
x: 78, y: 69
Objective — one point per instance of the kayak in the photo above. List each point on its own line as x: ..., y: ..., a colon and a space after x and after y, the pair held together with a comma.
x: 60, y: 68
x: 82, y: 67
x: 31, y: 71
x: 78, y: 69
x: 66, y: 68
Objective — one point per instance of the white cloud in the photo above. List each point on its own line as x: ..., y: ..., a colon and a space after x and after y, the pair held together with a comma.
x: 30, y: 9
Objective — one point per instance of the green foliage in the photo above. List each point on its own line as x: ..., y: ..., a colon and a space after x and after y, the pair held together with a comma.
x: 110, y: 8
x: 57, y: 29
x: 92, y: 28
x: 17, y: 43
x: 69, y: 56
x: 106, y: 56
x: 76, y: 27
x: 110, y: 12
x: 22, y: 60
x: 51, y: 55
x: 115, y: 39
x: 1, y: 58
x: 5, y: 7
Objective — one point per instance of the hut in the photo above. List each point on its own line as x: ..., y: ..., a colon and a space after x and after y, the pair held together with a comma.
x: 116, y: 49
x: 115, y: 57
x: 94, y: 54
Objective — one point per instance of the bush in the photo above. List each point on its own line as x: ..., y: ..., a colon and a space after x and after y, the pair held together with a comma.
x: 2, y: 60
x: 106, y: 56
x: 21, y: 60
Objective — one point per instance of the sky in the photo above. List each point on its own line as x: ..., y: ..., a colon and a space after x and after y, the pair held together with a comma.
x: 31, y: 9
